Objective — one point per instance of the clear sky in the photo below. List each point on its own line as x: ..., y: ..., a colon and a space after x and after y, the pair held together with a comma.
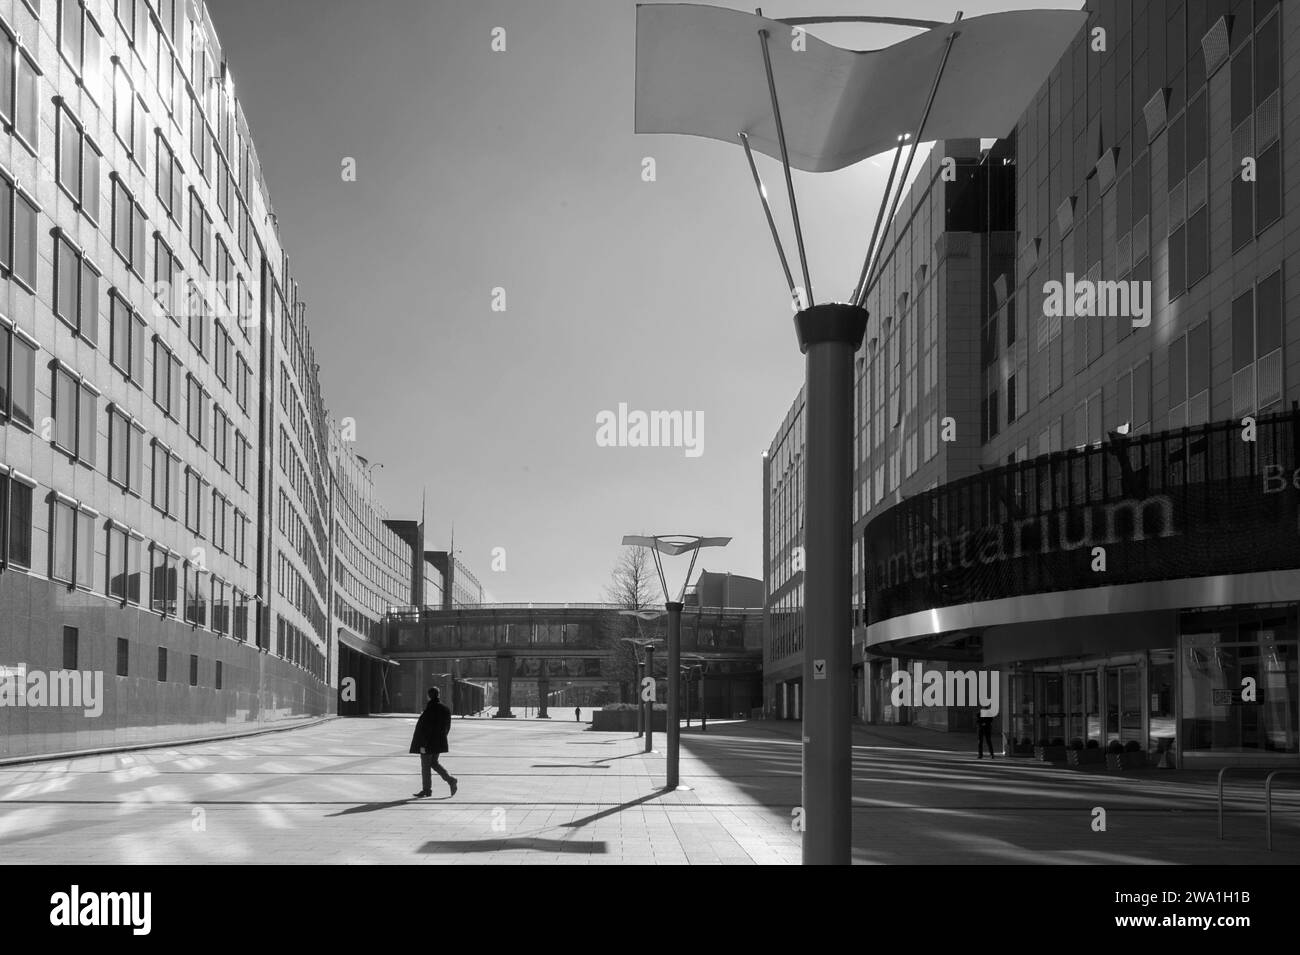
x: 520, y: 170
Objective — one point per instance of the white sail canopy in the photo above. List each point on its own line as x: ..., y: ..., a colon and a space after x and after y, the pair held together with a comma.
x: 699, y: 71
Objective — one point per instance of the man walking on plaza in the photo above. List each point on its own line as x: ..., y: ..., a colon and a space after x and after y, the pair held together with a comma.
x: 577, y: 715
x: 430, y: 741
x: 985, y: 724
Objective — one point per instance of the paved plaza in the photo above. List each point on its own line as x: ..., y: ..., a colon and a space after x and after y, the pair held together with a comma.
x: 537, y: 791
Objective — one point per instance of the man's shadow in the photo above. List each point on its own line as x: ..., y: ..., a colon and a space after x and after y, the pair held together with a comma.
x: 376, y: 806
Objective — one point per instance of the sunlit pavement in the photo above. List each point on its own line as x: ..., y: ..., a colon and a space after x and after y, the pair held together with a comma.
x: 536, y: 791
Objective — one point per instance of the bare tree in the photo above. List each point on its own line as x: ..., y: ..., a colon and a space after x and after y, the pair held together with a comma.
x: 634, y: 581
x: 634, y: 584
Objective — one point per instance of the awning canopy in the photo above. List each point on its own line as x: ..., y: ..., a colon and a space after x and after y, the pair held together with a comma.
x: 699, y: 71
x: 363, y: 646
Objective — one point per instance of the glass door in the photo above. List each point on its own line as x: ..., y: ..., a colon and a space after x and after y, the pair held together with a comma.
x: 1123, y: 704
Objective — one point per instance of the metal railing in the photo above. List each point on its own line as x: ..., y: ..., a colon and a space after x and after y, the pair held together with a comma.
x: 1268, y: 803
x: 1268, y: 799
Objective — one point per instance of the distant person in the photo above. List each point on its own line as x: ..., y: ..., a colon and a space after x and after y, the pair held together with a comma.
x: 985, y: 726
x: 577, y: 714
x: 430, y: 741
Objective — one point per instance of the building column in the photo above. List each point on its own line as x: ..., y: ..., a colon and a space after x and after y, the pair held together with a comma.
x: 543, y: 688
x: 505, y: 675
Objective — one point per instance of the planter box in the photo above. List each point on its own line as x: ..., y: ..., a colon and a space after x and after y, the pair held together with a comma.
x: 624, y: 721
x: 1050, y: 754
x: 1086, y: 757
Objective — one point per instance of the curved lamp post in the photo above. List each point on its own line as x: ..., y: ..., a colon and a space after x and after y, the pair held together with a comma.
x: 715, y: 73
x: 673, y: 545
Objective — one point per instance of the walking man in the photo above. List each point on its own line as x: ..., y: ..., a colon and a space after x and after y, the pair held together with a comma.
x: 985, y: 724
x: 577, y: 715
x: 430, y: 741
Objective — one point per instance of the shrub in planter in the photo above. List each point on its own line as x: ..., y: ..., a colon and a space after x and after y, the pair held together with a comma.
x: 1085, y: 756
x: 1093, y: 744
x: 1115, y: 746
x: 1132, y: 746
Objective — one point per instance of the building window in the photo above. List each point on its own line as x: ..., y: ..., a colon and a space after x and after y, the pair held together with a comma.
x: 220, y: 438
x: 162, y: 664
x: 128, y: 228
x: 1257, y: 368
x: 1189, y: 378
x: 243, y: 377
x: 129, y: 121
x: 163, y: 584
x: 166, y: 494
x: 200, y: 230
x: 17, y: 376
x: 127, y: 337
x: 217, y: 679
x: 81, y: 42
x: 196, y: 597
x: 194, y: 670
x: 169, y: 179
x: 15, y: 521
x: 167, y: 380
x: 197, y: 310
x: 197, y: 411
x: 20, y: 106
x: 76, y: 289
x: 18, y: 242
x: 123, y: 656
x: 72, y: 543
x: 125, y: 451
x: 70, y: 648
x: 74, y: 415
x: 241, y: 459
x: 194, y: 501
x: 78, y: 161
x: 169, y: 295
x: 221, y: 355
x: 125, y: 548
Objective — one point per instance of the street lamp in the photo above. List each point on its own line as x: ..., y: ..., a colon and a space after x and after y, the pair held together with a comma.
x: 645, y: 708
x: 674, y: 545
x: 698, y: 73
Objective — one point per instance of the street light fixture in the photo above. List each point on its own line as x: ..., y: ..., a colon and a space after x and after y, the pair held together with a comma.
x: 674, y: 545
x: 697, y: 73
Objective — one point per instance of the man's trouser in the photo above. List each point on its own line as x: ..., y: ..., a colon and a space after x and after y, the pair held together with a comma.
x: 429, y: 761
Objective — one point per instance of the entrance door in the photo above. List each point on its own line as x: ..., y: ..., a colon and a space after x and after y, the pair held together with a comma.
x: 1123, y: 705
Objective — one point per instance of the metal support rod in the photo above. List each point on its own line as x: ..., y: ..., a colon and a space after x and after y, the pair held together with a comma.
x: 674, y: 691
x: 916, y: 142
x: 880, y: 215
x: 893, y: 21
x: 785, y: 162
x: 767, y: 210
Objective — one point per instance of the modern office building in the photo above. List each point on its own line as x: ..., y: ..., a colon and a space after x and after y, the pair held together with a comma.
x: 176, y: 513
x: 372, y: 574
x: 1083, y: 487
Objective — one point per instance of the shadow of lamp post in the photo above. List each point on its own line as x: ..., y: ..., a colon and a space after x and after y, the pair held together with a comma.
x: 713, y: 72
